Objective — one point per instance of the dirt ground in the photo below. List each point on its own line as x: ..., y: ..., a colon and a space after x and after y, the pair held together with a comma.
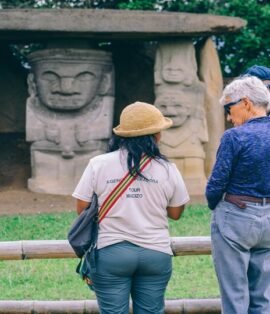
x: 15, y: 169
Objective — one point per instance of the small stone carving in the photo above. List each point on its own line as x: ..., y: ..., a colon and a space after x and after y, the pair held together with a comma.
x: 69, y: 114
x: 175, y: 64
x: 180, y: 96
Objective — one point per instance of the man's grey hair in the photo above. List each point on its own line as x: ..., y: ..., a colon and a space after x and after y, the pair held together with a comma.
x: 250, y: 87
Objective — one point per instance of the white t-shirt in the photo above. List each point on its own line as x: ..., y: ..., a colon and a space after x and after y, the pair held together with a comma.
x: 140, y: 214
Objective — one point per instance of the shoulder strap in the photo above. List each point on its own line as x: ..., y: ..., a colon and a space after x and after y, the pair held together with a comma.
x: 119, y: 189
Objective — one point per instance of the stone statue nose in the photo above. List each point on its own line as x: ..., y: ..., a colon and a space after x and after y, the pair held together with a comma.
x: 67, y: 85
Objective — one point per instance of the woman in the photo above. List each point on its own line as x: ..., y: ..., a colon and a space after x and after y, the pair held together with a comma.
x: 134, y: 253
x: 238, y: 192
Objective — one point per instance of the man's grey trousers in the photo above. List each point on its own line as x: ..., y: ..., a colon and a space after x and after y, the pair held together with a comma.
x: 241, y: 255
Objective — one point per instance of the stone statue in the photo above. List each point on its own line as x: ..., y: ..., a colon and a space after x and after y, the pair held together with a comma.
x: 175, y: 64
x: 69, y: 114
x: 180, y: 96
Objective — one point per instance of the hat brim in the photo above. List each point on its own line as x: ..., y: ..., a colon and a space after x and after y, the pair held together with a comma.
x: 167, y: 123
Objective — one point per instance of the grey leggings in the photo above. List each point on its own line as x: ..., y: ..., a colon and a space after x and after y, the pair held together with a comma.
x: 124, y: 269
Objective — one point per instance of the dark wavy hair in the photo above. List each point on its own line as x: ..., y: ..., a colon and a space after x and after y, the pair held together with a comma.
x: 136, y: 147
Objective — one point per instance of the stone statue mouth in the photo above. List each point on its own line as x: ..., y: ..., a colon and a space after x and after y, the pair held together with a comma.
x: 65, y: 96
x: 68, y: 103
x: 174, y: 74
x: 178, y: 120
x: 72, y: 99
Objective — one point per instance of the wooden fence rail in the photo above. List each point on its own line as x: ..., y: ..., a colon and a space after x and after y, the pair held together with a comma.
x: 184, y: 306
x: 41, y: 249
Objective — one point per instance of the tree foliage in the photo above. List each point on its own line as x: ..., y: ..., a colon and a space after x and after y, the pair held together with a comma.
x: 240, y: 50
x: 237, y: 51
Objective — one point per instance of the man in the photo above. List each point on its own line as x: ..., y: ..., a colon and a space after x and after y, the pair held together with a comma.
x: 260, y: 71
x: 238, y: 192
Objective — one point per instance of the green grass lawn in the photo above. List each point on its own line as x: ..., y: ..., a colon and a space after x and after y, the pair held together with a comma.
x: 55, y: 279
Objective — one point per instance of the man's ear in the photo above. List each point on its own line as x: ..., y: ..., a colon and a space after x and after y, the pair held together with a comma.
x: 248, y: 104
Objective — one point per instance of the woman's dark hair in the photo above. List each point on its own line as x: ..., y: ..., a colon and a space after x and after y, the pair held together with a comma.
x: 136, y: 147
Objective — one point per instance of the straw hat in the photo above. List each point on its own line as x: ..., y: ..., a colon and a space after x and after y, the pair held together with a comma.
x: 141, y: 119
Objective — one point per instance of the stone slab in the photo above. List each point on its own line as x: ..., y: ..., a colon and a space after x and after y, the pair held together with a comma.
x: 36, y: 24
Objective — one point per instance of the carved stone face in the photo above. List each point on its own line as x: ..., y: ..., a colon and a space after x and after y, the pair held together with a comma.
x: 177, y: 68
x: 67, y: 85
x: 176, y: 63
x: 174, y: 106
x: 173, y: 73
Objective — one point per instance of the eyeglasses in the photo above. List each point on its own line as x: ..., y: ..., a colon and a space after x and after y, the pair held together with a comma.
x: 227, y: 107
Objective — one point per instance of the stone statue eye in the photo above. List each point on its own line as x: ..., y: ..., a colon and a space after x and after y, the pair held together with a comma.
x: 162, y: 105
x: 85, y: 76
x: 49, y: 76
